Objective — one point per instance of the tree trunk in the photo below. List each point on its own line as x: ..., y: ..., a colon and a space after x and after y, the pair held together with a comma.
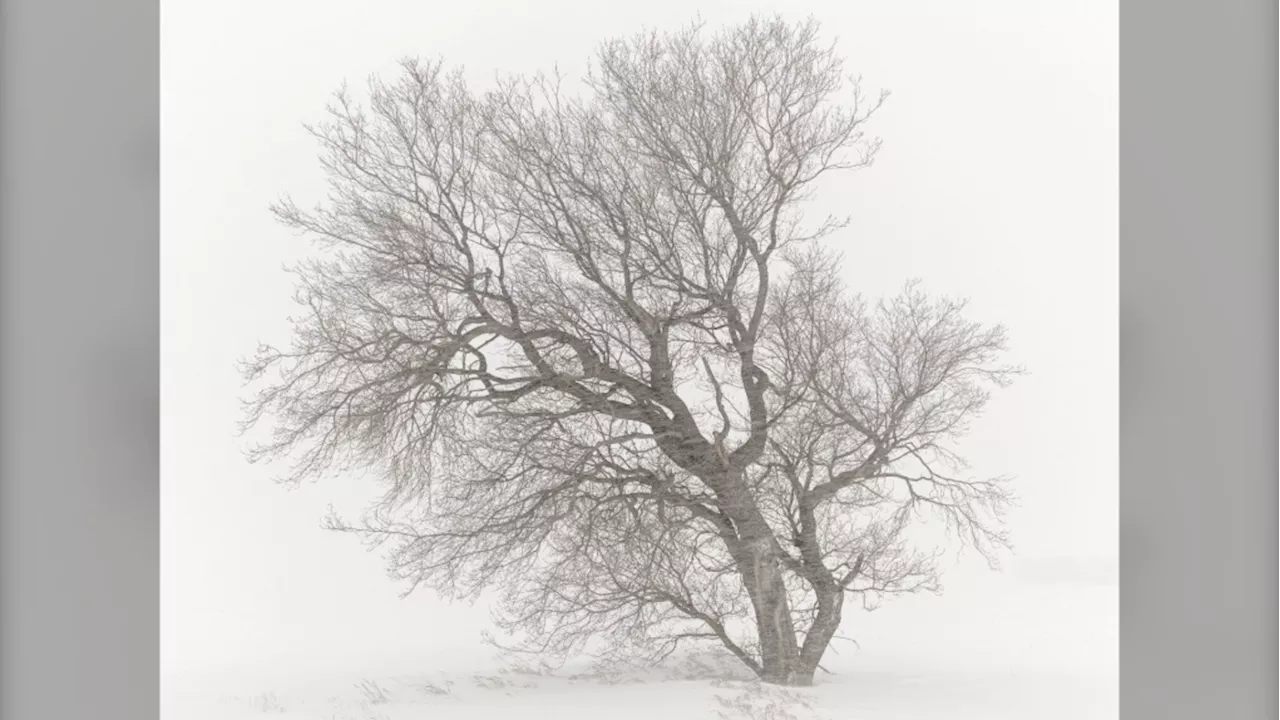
x: 784, y: 661
x: 779, y: 648
x: 755, y: 550
x: 825, y: 625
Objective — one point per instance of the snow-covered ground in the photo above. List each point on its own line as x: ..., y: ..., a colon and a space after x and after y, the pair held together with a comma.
x: 988, y: 651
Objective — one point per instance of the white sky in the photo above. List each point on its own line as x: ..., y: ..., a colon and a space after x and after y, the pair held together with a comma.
x: 998, y: 181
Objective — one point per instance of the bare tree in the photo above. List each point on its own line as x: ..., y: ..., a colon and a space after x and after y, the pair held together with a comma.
x: 605, y: 368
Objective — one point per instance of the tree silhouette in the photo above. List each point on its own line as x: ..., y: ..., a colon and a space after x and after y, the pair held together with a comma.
x: 606, y: 368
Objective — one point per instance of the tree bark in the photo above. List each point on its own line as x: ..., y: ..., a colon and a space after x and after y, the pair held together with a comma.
x: 825, y: 625
x: 783, y: 659
x: 762, y: 575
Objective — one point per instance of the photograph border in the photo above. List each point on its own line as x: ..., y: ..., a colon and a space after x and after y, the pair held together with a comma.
x: 79, y: 376
x: 80, y: 365
x: 1198, y: 359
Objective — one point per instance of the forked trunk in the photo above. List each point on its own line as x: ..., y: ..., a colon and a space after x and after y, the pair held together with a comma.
x: 784, y: 661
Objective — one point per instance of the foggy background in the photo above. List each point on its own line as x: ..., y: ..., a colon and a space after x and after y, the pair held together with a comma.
x: 997, y: 181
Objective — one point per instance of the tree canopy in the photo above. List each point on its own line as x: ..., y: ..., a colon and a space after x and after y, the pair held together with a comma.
x: 606, y: 366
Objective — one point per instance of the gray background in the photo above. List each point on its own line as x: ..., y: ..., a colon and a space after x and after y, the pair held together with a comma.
x: 79, y: 513
x: 1198, y: 366
x: 79, y: 506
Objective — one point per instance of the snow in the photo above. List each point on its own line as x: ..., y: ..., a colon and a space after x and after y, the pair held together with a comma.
x: 990, y: 650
